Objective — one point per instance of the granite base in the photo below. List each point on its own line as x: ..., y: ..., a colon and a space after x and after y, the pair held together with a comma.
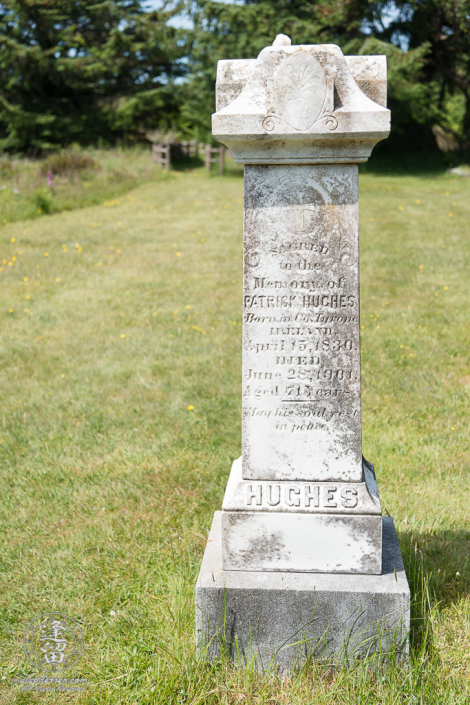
x: 282, y: 618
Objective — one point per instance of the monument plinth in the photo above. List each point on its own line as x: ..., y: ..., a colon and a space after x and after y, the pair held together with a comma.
x: 302, y: 501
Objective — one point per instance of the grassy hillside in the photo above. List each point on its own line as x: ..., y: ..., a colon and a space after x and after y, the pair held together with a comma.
x: 121, y: 380
x: 77, y: 178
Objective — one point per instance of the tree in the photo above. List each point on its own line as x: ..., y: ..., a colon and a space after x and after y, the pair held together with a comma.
x: 75, y: 71
x: 443, y: 26
x: 416, y: 94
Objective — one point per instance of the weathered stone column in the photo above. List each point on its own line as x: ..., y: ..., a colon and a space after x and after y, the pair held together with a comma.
x: 302, y: 501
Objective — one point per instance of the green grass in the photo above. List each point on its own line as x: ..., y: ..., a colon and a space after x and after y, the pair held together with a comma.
x: 110, y: 479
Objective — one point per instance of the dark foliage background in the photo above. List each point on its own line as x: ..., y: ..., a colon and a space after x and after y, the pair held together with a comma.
x: 75, y: 71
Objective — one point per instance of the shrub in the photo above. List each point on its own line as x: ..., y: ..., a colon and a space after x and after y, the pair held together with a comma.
x: 68, y: 163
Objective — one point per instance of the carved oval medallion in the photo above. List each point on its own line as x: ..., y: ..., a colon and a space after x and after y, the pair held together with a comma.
x: 299, y: 90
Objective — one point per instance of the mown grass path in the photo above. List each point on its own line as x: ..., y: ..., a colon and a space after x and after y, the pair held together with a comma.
x: 121, y: 381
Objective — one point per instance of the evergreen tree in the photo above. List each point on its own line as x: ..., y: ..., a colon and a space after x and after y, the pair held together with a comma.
x: 443, y: 27
x: 77, y: 71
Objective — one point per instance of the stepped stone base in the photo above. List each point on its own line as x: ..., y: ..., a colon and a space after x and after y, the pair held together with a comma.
x: 322, y: 527
x: 282, y: 618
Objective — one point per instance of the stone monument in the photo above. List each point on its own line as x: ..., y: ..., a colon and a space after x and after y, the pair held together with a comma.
x: 300, y: 561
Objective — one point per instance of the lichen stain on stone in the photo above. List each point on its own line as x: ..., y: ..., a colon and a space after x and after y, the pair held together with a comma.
x: 261, y: 546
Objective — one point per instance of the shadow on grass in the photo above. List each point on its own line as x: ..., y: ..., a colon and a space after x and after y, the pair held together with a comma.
x: 421, y: 164
x: 183, y: 164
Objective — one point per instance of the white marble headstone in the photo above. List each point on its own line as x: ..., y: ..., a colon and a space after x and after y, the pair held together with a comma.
x: 301, y: 498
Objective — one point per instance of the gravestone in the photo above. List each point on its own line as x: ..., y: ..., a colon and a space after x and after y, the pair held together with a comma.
x: 300, y: 561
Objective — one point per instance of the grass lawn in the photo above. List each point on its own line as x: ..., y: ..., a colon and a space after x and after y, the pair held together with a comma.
x: 121, y: 387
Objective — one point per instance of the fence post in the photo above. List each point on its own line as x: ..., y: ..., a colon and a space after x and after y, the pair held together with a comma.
x: 208, y: 157
x: 167, y: 158
x: 221, y: 160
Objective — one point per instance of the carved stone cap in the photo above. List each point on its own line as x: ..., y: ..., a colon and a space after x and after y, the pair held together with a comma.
x: 301, y: 105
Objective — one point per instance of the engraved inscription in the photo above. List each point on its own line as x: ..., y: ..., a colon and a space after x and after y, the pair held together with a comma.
x: 301, y: 345
x: 302, y: 496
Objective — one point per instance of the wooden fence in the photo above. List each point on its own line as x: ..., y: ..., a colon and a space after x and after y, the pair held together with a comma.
x: 188, y: 149
x: 161, y: 153
x: 219, y: 156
